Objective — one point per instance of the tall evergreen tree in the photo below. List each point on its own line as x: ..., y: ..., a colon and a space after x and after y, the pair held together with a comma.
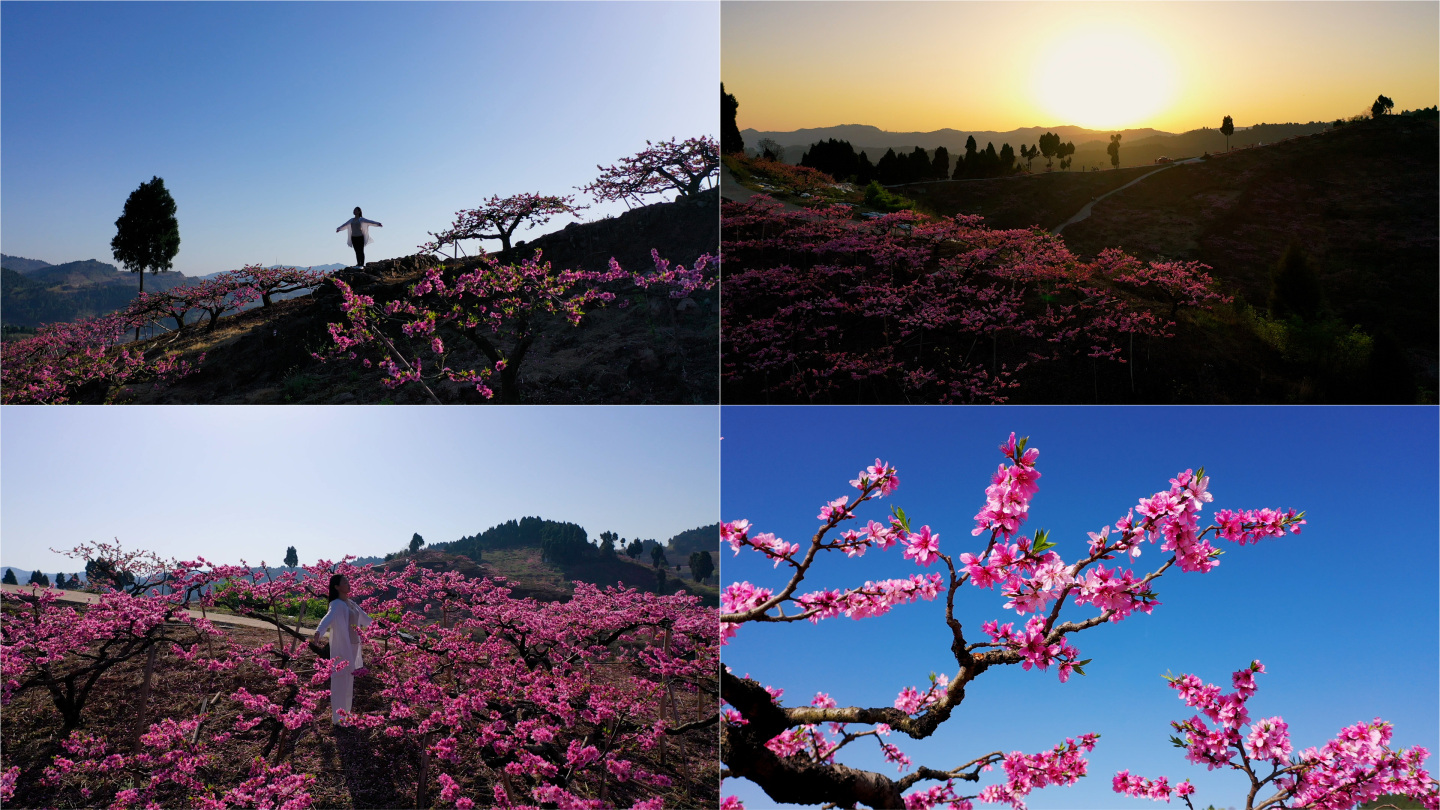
x: 990, y: 161
x: 940, y: 164
x: 887, y: 170
x: 920, y: 168
x: 657, y: 556
x: 37, y: 578
x: 416, y: 542
x: 147, y: 236
x: 864, y: 170
x: 701, y: 565
x: 730, y: 140
x: 1049, y: 142
x: 607, y: 544
x: 9, y: 578
x: 1227, y: 128
x: 292, y: 558
x: 1063, y: 152
x: 635, y: 548
x: 971, y: 164
x: 1007, y: 159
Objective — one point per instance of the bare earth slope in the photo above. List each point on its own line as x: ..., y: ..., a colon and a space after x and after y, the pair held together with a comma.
x: 1361, y: 200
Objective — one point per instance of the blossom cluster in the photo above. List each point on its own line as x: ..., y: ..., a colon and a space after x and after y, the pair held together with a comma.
x: 823, y: 307
x: 1352, y: 769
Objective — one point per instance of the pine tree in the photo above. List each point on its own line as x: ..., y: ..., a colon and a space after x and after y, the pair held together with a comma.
x: 730, y: 140
x: 9, y: 578
x: 920, y: 168
x: 292, y: 558
x: 940, y: 165
x: 701, y: 565
x: 147, y: 236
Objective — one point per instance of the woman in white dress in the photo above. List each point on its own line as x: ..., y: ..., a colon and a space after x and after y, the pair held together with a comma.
x: 358, y: 234
x: 343, y: 619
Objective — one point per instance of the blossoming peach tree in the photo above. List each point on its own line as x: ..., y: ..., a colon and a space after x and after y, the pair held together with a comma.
x: 493, y: 306
x: 504, y: 701
x: 1356, y: 767
x: 89, y: 361
x: 822, y: 307
x: 792, y: 751
x: 499, y: 217
x: 686, y: 167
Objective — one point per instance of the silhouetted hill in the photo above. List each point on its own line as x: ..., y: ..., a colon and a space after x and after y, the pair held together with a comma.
x: 1360, y: 200
x: 640, y: 354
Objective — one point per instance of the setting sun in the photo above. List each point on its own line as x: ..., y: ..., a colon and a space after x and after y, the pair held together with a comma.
x: 1103, y: 79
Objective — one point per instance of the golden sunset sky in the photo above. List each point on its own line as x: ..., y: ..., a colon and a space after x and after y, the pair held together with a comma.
x: 1174, y: 66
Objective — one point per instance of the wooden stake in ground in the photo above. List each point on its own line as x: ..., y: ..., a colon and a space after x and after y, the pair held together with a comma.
x: 143, y: 710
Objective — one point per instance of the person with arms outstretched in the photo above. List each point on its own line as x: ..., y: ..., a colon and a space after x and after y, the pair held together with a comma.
x: 358, y: 235
x: 343, y: 620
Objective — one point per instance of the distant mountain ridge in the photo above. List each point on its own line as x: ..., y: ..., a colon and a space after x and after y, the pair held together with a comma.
x: 1137, y: 146
x: 34, y: 292
x: 864, y: 136
x: 20, y: 265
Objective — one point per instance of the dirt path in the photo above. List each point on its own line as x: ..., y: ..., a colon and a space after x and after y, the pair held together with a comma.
x: 84, y: 597
x: 1084, y: 213
x: 730, y: 189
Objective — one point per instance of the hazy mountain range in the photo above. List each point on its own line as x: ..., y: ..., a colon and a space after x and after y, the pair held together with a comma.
x: 34, y: 292
x: 1138, y: 146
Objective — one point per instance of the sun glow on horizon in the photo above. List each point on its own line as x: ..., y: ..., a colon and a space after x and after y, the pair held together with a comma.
x: 1104, y: 78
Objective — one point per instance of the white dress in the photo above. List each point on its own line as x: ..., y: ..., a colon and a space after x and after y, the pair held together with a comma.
x: 342, y: 619
x: 364, y: 226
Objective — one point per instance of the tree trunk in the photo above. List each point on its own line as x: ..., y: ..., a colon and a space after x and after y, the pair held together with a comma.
x: 142, y: 710
x: 424, y: 780
x: 142, y: 292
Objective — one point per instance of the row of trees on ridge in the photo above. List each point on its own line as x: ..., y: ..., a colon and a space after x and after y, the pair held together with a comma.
x: 838, y: 159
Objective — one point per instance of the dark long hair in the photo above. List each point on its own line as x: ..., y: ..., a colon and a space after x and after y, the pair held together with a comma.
x: 334, y: 581
x: 357, y: 210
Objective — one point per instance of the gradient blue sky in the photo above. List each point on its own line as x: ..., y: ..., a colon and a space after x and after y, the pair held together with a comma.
x: 269, y: 122
x: 232, y: 482
x: 1343, y: 615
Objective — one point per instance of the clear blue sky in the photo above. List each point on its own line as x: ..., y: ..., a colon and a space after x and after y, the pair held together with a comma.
x: 270, y: 121
x: 228, y: 482
x: 1343, y: 615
